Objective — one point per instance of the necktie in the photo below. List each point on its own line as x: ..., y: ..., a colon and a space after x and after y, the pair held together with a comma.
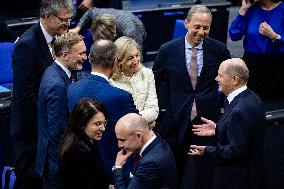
x: 136, y: 159
x: 193, y: 69
x: 193, y: 73
x: 226, y: 104
x: 51, y: 48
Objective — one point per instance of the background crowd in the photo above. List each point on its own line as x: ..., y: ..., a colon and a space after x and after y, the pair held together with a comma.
x: 123, y: 125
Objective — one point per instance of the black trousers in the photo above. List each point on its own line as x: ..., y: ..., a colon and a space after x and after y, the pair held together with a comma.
x: 24, y: 166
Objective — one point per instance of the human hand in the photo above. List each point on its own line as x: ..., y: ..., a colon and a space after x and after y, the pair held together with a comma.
x: 86, y: 4
x: 206, y: 129
x: 245, y: 5
x: 266, y: 30
x: 76, y: 29
x: 121, y: 157
x: 196, y: 150
x: 111, y: 186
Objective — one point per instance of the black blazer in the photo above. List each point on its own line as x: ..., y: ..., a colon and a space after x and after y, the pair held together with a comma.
x: 175, y: 92
x: 30, y: 59
x: 156, y: 169
x: 81, y: 166
x: 240, y: 134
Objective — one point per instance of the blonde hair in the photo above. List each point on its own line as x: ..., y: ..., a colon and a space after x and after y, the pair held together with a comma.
x: 65, y: 42
x: 104, y: 27
x: 124, y: 47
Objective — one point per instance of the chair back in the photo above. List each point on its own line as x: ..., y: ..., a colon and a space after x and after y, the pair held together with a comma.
x: 179, y: 29
x: 6, y: 71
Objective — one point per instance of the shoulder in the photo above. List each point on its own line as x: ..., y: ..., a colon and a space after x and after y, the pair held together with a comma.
x: 173, y: 43
x: 146, y: 72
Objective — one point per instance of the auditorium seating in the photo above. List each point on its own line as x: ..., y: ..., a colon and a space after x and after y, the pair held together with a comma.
x: 6, y: 73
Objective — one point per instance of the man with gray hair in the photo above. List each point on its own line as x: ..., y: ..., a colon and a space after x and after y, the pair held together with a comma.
x: 103, y: 58
x: 184, y: 71
x: 156, y: 166
x: 32, y: 55
x: 240, y: 131
x: 53, y: 113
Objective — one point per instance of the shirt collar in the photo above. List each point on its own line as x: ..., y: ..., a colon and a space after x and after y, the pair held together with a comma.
x: 68, y: 73
x: 189, y: 46
x: 47, y: 36
x: 147, y: 144
x: 233, y: 94
x: 100, y: 74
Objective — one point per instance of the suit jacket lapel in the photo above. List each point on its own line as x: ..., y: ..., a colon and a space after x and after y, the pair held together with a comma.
x: 43, y: 45
x: 62, y: 73
x: 181, y: 60
x: 150, y: 146
x: 206, y: 55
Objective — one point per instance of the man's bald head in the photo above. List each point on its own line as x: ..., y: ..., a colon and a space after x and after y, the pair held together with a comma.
x: 236, y: 67
x: 131, y: 123
x: 132, y: 132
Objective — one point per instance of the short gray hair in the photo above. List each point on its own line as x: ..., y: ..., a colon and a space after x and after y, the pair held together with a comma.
x: 197, y: 9
x: 238, y: 70
x: 102, y: 53
x: 55, y: 6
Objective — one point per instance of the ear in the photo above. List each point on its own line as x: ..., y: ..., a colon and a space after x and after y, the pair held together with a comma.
x: 186, y: 24
x: 236, y: 80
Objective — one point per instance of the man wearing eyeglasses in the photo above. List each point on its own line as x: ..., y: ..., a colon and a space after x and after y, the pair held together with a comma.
x: 32, y: 55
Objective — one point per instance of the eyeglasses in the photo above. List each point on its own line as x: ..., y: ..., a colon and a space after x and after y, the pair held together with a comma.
x: 63, y: 20
x: 100, y: 123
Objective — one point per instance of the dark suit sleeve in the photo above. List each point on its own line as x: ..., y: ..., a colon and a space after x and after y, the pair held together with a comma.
x: 25, y: 84
x: 158, y: 67
x: 146, y: 176
x: 56, y: 108
x: 238, y: 134
x: 129, y: 105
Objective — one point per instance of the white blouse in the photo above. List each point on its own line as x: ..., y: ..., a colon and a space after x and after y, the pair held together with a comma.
x: 142, y: 87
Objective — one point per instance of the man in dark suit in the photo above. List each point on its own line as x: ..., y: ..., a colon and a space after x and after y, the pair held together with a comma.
x: 32, y: 55
x: 53, y: 113
x: 96, y: 86
x: 184, y: 71
x: 240, y: 130
x: 156, y: 168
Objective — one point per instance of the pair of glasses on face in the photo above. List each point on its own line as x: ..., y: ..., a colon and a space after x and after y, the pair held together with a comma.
x: 100, y: 123
x: 63, y: 20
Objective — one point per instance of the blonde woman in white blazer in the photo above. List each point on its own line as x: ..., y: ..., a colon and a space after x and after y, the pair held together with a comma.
x: 132, y: 76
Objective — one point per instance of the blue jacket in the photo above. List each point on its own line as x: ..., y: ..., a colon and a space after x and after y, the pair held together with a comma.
x: 156, y: 169
x: 117, y: 102
x: 53, y: 115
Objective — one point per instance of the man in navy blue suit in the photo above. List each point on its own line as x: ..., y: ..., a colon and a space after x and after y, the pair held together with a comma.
x: 240, y: 131
x: 53, y: 112
x: 32, y: 55
x: 103, y: 58
x: 156, y: 169
x: 183, y: 99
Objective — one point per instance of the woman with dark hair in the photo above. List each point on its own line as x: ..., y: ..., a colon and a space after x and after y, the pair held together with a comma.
x: 80, y: 162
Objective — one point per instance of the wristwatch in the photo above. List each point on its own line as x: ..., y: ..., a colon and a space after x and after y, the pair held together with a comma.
x: 116, y: 167
x: 277, y: 38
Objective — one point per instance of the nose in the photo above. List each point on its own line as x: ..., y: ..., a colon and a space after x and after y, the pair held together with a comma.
x: 120, y: 144
x: 84, y: 57
x: 102, y: 128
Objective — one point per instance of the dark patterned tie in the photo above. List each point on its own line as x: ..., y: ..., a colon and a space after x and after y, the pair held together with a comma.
x: 226, y: 104
x: 193, y: 73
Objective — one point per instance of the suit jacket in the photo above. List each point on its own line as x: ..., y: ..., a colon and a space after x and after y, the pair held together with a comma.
x: 81, y: 166
x: 240, y: 141
x: 30, y: 59
x: 117, y: 102
x: 174, y: 88
x: 156, y: 169
x: 53, y: 115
